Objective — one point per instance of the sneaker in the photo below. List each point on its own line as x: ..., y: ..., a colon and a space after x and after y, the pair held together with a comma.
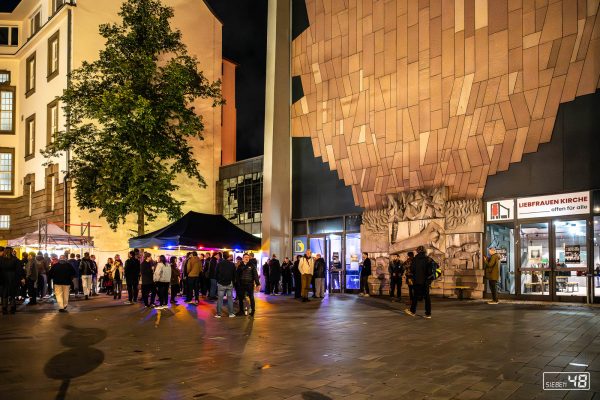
x: 231, y: 315
x: 361, y: 294
x: 492, y: 302
x: 127, y: 302
x: 408, y: 312
x: 62, y: 310
x: 217, y: 316
x: 252, y: 313
x: 427, y: 317
x: 366, y: 294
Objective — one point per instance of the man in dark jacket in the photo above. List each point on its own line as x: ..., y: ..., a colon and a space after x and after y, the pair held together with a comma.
x: 75, y: 265
x: 297, y: 278
x: 274, y: 275
x: 422, y: 271
x: 265, y: 272
x: 396, y: 270
x: 225, y: 276
x: 286, y: 276
x: 408, y: 274
x: 212, y: 275
x: 86, y: 269
x: 148, y: 286
x: 319, y: 275
x: 10, y: 276
x: 247, y: 278
x: 62, y: 275
x: 365, y: 272
x: 132, y: 276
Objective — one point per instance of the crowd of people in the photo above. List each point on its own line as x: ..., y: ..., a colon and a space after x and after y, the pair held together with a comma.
x: 212, y: 276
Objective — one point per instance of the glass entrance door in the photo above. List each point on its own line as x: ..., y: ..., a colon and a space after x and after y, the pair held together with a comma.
x: 535, y: 259
x: 334, y: 263
x: 502, y: 238
x: 318, y: 245
x: 352, y: 260
x: 571, y: 263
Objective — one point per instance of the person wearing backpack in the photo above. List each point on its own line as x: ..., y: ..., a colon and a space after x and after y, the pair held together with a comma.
x: 491, y: 265
x: 396, y: 270
x: 423, y: 269
x: 86, y: 268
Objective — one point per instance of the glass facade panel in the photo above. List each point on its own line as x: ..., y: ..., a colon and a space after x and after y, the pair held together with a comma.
x: 300, y: 228
x: 596, y: 256
x: 328, y: 225
x: 535, y: 261
x: 502, y: 237
x: 570, y: 248
x: 353, y: 223
x: 352, y: 261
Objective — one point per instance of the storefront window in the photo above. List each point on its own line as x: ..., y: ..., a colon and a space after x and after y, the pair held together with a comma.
x: 327, y: 225
x: 502, y: 237
x: 353, y: 257
x: 535, y: 263
x: 571, y: 258
x: 596, y: 256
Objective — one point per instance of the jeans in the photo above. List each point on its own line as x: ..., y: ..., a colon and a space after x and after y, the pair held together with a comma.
x: 174, y: 292
x: 396, y: 286
x: 43, y: 285
x: 493, y: 289
x: 421, y: 291
x: 75, y: 285
x: 163, y: 292
x: 297, y: 286
x: 364, y: 284
x: 62, y: 295
x: 267, y: 289
x: 32, y: 291
x: 192, y: 288
x: 223, y: 290
x: 132, y: 289
x: 213, y: 288
x: 86, y: 281
x: 148, y: 289
x: 94, y: 284
x: 274, y: 286
x: 306, y: 279
x: 286, y: 285
x: 320, y: 287
x: 246, y: 289
x: 118, y: 288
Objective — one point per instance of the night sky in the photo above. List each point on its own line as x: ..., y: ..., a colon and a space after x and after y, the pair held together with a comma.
x: 244, y: 42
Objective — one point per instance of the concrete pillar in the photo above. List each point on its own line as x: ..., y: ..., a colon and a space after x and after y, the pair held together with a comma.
x: 277, y: 183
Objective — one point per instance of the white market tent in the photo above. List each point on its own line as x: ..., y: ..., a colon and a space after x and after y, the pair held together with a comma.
x: 53, y: 237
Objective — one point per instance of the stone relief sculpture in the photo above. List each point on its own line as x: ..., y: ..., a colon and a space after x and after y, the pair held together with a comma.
x: 431, y: 235
x: 458, y: 212
x: 375, y: 221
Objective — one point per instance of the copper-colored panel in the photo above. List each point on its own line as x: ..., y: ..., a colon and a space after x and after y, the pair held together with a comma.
x: 498, y: 10
x: 459, y: 53
x: 472, y: 149
x: 507, y: 149
x: 540, y: 102
x: 507, y: 115
x: 530, y: 68
x: 520, y: 109
x: 572, y: 82
x: 533, y: 136
x: 447, y: 14
x: 591, y: 69
x: 547, y: 129
x: 552, y: 23
x: 585, y: 37
x: 481, y: 54
x: 515, y: 59
x: 540, y: 16
x: 554, y: 96
x: 448, y: 52
x: 515, y: 29
x: 564, y: 55
x: 435, y: 37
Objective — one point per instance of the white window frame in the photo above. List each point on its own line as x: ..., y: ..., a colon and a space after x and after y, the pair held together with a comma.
x: 4, y: 222
x: 33, y: 28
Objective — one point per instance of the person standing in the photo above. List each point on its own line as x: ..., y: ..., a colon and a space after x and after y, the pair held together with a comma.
x: 32, y: 277
x: 365, y: 272
x: 194, y: 269
x: 9, y: 279
x: 306, y: 267
x: 175, y: 274
x: 117, y: 276
x: 62, y: 275
x: 94, y: 276
x: 75, y: 265
x: 204, y: 280
x: 225, y: 281
x: 212, y: 275
x: 492, y: 273
x: 422, y: 269
x: 132, y: 277
x: 286, y: 276
x: 319, y: 275
x: 247, y: 278
x: 162, y: 279
x: 86, y: 269
x: 107, y: 282
x: 42, y: 267
x: 265, y: 274
x: 147, y: 273
x: 396, y: 271
x: 297, y: 278
x: 274, y: 275
x: 408, y: 274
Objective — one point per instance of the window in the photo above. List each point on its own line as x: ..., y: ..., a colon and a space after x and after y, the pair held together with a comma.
x: 4, y: 77
x: 57, y: 4
x: 7, y: 170
x: 53, y: 55
x: 30, y: 76
x: 7, y: 110
x: 29, y: 192
x: 4, y: 222
x: 9, y: 36
x: 52, y: 122
x: 35, y: 23
x: 30, y: 137
x: 50, y: 192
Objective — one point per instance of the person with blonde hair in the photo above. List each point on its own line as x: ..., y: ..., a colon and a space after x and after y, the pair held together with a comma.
x: 117, y: 276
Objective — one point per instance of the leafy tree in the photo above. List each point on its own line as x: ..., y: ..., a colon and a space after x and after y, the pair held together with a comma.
x: 130, y: 117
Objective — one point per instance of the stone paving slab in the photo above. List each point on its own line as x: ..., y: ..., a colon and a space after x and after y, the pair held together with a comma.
x: 343, y: 347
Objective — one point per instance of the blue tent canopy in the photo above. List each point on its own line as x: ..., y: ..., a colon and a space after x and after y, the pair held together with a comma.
x: 197, y: 230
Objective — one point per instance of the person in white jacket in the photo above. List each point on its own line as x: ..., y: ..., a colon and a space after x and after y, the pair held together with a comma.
x: 162, y: 279
x: 306, y: 267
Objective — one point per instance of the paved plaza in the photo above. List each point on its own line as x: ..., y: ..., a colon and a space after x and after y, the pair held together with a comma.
x: 341, y: 347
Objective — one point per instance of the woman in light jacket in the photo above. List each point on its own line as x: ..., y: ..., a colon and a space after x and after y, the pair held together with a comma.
x: 162, y: 278
x: 117, y: 276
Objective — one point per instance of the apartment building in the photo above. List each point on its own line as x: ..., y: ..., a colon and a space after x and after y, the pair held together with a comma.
x: 41, y: 41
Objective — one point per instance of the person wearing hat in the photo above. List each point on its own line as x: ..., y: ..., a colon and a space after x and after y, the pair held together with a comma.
x: 491, y: 265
